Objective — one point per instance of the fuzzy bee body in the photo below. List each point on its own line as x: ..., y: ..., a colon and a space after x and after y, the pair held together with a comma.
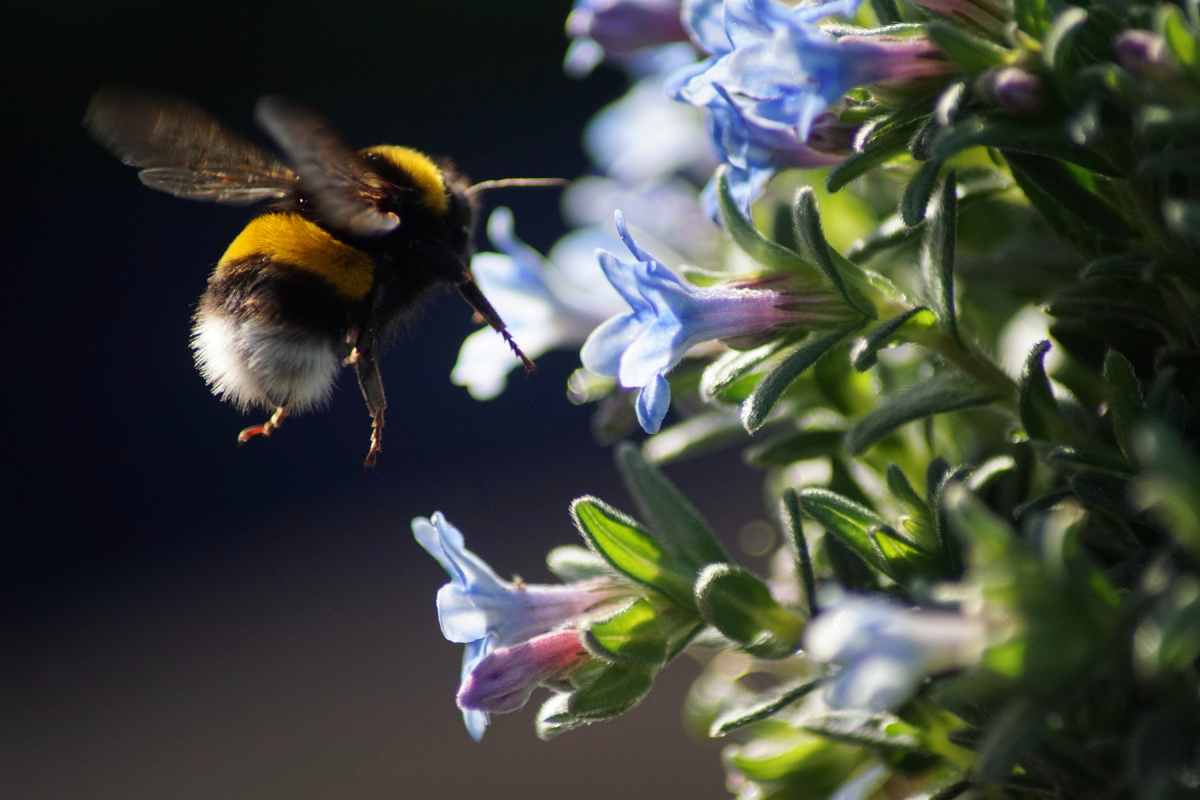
x: 350, y: 244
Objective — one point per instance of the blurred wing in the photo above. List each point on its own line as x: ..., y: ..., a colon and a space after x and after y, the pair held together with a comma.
x: 345, y: 192
x: 182, y: 150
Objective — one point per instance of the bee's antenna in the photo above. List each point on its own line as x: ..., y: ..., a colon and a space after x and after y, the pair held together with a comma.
x: 507, y: 183
x: 471, y: 293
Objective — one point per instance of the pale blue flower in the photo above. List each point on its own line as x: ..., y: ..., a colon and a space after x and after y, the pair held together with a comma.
x: 667, y: 317
x: 618, y: 29
x: 545, y: 305
x: 885, y: 650
x: 479, y: 609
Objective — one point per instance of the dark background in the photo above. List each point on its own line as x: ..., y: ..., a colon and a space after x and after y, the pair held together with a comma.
x: 192, y: 620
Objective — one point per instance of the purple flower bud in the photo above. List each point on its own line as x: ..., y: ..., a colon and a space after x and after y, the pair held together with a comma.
x: 1013, y: 89
x: 1145, y: 54
x: 505, y: 678
x: 607, y: 28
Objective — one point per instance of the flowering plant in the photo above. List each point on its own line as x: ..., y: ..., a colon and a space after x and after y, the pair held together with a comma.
x: 948, y: 305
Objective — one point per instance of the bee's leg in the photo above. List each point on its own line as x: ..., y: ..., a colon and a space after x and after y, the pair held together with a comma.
x: 265, y: 429
x: 370, y: 380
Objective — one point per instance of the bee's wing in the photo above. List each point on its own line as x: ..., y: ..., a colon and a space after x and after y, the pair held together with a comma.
x: 345, y: 191
x: 184, y: 151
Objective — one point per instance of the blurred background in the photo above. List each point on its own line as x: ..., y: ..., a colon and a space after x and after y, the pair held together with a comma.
x: 188, y: 619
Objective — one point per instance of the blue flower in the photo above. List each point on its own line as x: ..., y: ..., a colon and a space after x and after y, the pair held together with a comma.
x: 503, y: 681
x: 618, y: 29
x: 667, y: 317
x: 479, y: 609
x: 885, y: 650
x: 544, y: 306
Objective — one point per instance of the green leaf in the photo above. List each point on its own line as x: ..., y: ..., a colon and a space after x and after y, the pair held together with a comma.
x: 794, y: 446
x: 728, y: 369
x: 1032, y: 16
x: 1060, y: 41
x: 866, y: 351
x: 1070, y: 208
x: 864, y: 728
x: 758, y: 405
x: 617, y: 689
x: 794, y: 527
x: 1125, y: 405
x: 853, y: 525
x: 643, y: 633
x: 740, y: 606
x: 570, y: 563
x: 1040, y: 414
x: 680, y: 527
x: 763, y: 708
x: 944, y: 392
x: 919, y: 522
x: 937, y: 255
x: 1171, y: 25
x: 891, y: 141
x: 807, y: 221
x: 1012, y: 136
x: 917, y: 193
x: 694, y: 436
x: 631, y: 551
x: 749, y: 240
x: 972, y: 53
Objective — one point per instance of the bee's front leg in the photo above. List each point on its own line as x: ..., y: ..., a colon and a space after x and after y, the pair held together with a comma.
x: 370, y: 381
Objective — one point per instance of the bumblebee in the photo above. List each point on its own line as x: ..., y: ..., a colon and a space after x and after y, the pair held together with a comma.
x: 347, y: 245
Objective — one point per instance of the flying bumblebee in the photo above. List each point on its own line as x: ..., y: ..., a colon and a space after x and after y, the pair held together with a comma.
x: 347, y: 245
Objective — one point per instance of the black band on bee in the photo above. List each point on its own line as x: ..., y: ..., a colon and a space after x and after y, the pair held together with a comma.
x: 276, y: 293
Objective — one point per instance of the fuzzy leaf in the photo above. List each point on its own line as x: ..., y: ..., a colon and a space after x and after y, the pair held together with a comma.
x: 1009, y: 135
x: 693, y: 437
x: 865, y: 353
x: 793, y: 525
x: 1124, y: 399
x: 642, y: 633
x: 865, y: 728
x: 740, y: 606
x: 631, y: 551
x: 917, y: 193
x: 890, y: 142
x: 944, y: 392
x: 617, y: 689
x: 972, y: 53
x: 763, y: 708
x: 678, y: 525
x: 853, y: 525
x: 1172, y: 26
x: 807, y: 221
x: 937, y: 255
x: 1040, y: 414
x: 759, y: 404
x: 750, y: 241
x: 570, y: 562
x: 727, y: 370
x: 794, y: 446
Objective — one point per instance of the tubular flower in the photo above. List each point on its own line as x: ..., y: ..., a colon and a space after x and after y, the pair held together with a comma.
x: 885, y: 650
x: 505, y: 678
x: 617, y: 28
x: 668, y: 316
x: 484, y: 612
x: 545, y: 307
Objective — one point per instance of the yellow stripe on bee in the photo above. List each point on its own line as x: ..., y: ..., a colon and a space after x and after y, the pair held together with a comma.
x: 291, y: 239
x: 424, y: 173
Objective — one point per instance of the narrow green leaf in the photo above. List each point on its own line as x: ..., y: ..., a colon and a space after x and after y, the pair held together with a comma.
x: 769, y: 706
x: 1056, y: 193
x: 1172, y: 26
x: 631, y: 551
x: 866, y: 351
x: 972, y: 53
x: 886, y: 12
x: 617, y: 689
x: 1032, y: 16
x: 749, y: 240
x: 1125, y: 406
x: 1040, y: 414
x: 865, y: 728
x: 1012, y: 136
x: 944, y: 392
x: 794, y: 446
x: 678, y: 524
x: 890, y: 142
x: 793, y: 524
x: 917, y: 193
x: 570, y: 563
x: 918, y: 522
x: 694, y: 436
x: 807, y: 221
x: 731, y: 367
x: 937, y: 255
x: 847, y: 521
x: 644, y: 632
x: 1059, y: 43
x: 764, y: 397
x: 906, y: 559
x: 740, y: 606
x: 817, y: 765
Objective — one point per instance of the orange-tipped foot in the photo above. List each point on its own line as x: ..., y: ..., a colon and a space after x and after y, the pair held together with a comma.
x: 376, y: 440
x: 265, y: 429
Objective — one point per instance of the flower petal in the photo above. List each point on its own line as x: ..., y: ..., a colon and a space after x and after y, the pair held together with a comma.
x: 878, y: 683
x: 460, y: 619
x: 653, y: 352
x: 652, y: 403
x: 623, y: 278
x: 475, y: 721
x: 605, y: 345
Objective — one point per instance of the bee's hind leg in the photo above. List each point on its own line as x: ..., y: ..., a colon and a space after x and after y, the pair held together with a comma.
x: 370, y: 380
x: 265, y: 429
